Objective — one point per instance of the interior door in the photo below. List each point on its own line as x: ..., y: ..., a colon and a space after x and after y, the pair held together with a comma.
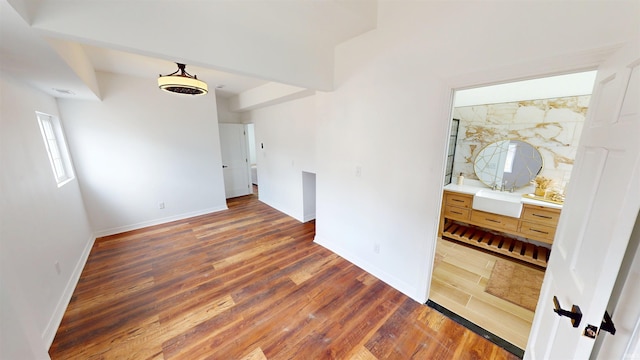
x: 235, y: 163
x: 602, y: 203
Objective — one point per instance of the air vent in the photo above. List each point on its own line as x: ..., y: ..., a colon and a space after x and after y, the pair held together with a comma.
x: 64, y: 91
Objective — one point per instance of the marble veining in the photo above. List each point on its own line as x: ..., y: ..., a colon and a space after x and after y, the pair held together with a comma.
x: 553, y: 126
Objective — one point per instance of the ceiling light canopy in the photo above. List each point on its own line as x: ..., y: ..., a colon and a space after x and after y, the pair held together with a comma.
x: 182, y: 82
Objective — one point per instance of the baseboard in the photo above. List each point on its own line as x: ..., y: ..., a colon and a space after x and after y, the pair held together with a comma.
x: 365, y: 265
x: 144, y: 224
x: 280, y: 207
x: 49, y: 332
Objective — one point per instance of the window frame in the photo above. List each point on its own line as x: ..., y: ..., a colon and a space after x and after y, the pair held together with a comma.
x: 56, y: 148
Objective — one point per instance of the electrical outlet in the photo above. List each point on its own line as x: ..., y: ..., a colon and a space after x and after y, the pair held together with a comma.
x: 57, y: 266
x: 376, y: 248
x: 161, y: 205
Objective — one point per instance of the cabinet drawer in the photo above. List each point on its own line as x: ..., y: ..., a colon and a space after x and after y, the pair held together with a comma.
x: 540, y: 215
x: 460, y: 200
x: 458, y: 213
x: 494, y: 221
x: 537, y: 231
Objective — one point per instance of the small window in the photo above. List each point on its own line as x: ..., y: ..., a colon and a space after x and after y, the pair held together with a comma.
x: 511, y: 155
x: 56, y: 148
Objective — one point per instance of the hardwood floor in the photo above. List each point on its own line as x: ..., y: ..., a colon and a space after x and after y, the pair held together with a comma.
x: 458, y: 284
x: 247, y: 283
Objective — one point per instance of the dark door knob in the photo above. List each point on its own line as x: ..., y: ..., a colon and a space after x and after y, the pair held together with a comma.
x: 607, y: 324
x: 575, y: 314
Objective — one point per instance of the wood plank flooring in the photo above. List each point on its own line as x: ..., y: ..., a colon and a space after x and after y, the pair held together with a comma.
x: 246, y: 283
x: 458, y: 284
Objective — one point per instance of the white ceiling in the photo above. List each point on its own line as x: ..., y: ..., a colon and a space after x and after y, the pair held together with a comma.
x: 574, y: 84
x: 237, y: 44
x: 120, y: 62
x: 27, y: 56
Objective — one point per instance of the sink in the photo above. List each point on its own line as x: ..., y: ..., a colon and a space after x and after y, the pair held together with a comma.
x: 497, y: 202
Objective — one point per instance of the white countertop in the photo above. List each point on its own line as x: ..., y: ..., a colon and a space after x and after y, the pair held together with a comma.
x: 471, y: 187
x: 541, y: 203
x: 464, y: 189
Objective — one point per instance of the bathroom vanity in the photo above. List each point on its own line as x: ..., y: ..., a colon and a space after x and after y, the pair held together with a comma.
x: 496, y: 232
x: 494, y: 212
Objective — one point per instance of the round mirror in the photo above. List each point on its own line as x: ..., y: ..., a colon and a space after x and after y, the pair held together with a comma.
x: 509, y: 163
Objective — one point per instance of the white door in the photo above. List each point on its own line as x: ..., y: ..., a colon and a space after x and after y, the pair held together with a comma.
x: 602, y: 203
x: 235, y: 163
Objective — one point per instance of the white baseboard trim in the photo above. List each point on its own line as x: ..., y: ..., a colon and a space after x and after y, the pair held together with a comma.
x: 140, y: 225
x: 50, y: 330
x: 280, y: 207
x: 365, y: 265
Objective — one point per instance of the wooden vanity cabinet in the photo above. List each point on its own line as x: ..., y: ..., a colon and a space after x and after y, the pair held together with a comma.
x: 494, y: 221
x: 539, y: 222
x: 535, y: 223
x: 457, y: 206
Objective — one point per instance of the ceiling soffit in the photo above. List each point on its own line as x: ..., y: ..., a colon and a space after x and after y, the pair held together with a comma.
x: 290, y: 42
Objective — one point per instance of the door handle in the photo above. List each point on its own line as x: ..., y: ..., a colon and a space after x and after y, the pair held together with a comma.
x: 224, y: 166
x: 591, y: 331
x: 607, y: 324
x: 575, y: 314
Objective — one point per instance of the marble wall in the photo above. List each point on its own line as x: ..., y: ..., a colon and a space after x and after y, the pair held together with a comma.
x: 553, y: 126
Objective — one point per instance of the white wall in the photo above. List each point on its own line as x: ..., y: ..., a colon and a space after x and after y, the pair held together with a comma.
x: 287, y: 132
x: 40, y: 224
x: 140, y: 146
x: 390, y: 114
x: 381, y: 140
x: 226, y: 116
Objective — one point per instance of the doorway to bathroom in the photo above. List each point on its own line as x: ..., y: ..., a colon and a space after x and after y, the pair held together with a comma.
x: 489, y: 266
x: 253, y: 160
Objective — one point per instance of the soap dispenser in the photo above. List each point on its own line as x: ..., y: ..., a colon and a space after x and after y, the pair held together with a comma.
x: 460, y: 179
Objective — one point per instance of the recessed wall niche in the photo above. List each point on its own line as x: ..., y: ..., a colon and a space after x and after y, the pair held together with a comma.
x: 552, y: 125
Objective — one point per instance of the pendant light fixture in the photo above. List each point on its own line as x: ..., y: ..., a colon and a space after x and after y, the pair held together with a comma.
x: 182, y: 82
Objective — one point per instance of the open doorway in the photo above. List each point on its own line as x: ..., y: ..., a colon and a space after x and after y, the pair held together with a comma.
x: 490, y: 259
x: 253, y: 161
